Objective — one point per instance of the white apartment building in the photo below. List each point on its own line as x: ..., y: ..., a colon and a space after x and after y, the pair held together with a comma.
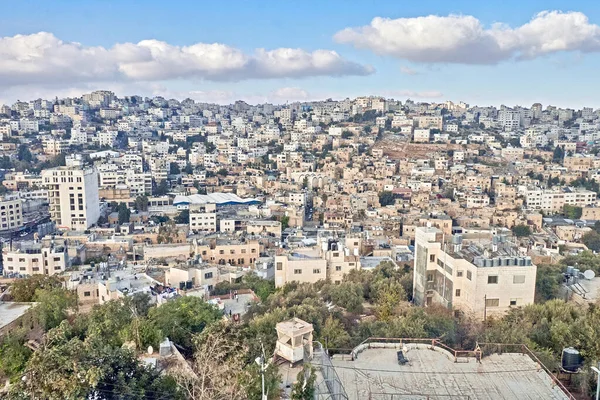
x: 509, y: 120
x: 34, y: 258
x: 553, y: 201
x: 11, y: 214
x: 479, y: 275
x: 73, y: 196
x: 203, y: 217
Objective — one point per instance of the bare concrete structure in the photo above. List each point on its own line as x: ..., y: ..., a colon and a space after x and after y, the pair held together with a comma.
x: 433, y: 372
x: 294, y: 340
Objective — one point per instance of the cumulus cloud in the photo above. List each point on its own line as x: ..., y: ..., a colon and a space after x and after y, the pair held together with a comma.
x: 42, y: 58
x: 464, y: 39
x: 289, y: 94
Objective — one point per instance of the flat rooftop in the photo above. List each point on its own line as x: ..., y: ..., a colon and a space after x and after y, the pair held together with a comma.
x: 10, y: 311
x: 376, y: 374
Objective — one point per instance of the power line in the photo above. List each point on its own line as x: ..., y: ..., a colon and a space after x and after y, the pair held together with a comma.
x: 435, y: 372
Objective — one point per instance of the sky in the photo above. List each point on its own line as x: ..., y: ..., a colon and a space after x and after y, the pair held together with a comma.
x: 480, y: 52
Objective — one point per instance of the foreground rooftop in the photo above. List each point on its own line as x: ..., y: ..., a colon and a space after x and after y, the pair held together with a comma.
x: 433, y: 374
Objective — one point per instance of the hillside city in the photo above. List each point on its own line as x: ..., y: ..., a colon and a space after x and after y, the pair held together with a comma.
x: 159, y: 248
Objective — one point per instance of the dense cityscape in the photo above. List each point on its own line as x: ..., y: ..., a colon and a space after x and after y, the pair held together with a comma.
x: 141, y: 222
x: 299, y: 201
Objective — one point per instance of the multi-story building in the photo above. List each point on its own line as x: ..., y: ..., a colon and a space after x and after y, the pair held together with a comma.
x: 478, y: 274
x: 203, y: 217
x: 553, y: 201
x: 31, y: 258
x: 299, y: 268
x: 73, y: 196
x: 11, y: 213
x: 225, y: 251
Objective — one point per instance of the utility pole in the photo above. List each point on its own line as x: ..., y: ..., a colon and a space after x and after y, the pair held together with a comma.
x: 597, y: 371
x: 484, y: 307
x: 263, y: 367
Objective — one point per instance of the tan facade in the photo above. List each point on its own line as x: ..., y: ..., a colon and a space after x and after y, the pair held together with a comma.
x: 11, y: 214
x: 243, y: 254
x: 295, y: 269
x: 35, y: 259
x: 444, y: 276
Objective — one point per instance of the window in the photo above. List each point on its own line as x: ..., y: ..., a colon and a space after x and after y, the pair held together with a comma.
x: 87, y: 294
x: 492, y: 302
x: 513, y: 302
x: 221, y: 251
x: 432, y: 258
x: 253, y: 251
x: 429, y: 277
x: 56, y: 259
x: 279, y: 266
x: 21, y: 260
x: 518, y: 278
x: 316, y: 271
x: 459, y: 274
x: 208, y: 275
x: 469, y: 276
x: 297, y: 271
x: 338, y: 267
x: 457, y: 293
x: 336, y: 254
x: 492, y: 279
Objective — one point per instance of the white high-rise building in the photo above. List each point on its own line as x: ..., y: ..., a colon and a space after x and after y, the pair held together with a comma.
x: 73, y: 196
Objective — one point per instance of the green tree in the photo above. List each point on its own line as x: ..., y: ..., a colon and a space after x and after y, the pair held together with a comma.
x: 52, y: 306
x: 23, y: 290
x: 124, y: 213
x: 3, y: 189
x: 386, y: 198
x: 162, y: 188
x: 285, y: 222
x: 23, y: 154
x: 13, y: 354
x: 174, y: 169
x: 179, y: 319
x: 347, y: 135
x: 558, y: 155
x: 547, y: 282
x: 333, y: 334
x: 592, y: 240
x: 305, y: 182
x: 348, y: 295
x: 69, y: 368
x: 572, y: 212
x: 223, y: 172
x: 304, y: 388
x: 521, y: 230
x: 183, y: 217
x: 141, y: 203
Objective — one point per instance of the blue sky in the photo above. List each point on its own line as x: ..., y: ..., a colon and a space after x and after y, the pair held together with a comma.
x: 564, y: 76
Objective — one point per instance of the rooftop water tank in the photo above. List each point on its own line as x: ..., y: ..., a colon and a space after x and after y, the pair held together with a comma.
x: 571, y: 360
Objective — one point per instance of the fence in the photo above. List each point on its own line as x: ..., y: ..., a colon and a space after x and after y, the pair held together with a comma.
x: 331, y: 386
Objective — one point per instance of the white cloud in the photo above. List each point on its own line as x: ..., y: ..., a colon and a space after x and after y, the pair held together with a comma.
x: 289, y: 94
x: 463, y: 39
x: 414, y: 94
x: 41, y: 58
x: 408, y: 71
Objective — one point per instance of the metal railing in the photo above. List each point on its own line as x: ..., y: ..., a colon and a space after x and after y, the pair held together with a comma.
x: 331, y: 386
x: 499, y: 348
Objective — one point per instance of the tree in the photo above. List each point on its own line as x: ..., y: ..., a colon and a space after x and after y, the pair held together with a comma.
x: 52, y: 306
x: 13, y: 353
x: 348, y: 295
x: 558, y: 155
x: 141, y: 203
x: 174, y: 169
x: 572, y: 212
x: 183, y: 217
x: 23, y: 290
x: 386, y: 198
x: 285, y: 222
x: 67, y: 367
x: 24, y: 154
x: 333, y: 334
x: 223, y: 172
x: 592, y: 240
x: 3, y: 189
x: 124, y: 213
x: 304, y: 388
x: 179, y: 319
x: 162, y: 188
x: 305, y: 183
x: 521, y: 230
x: 547, y: 282
x: 347, y: 135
